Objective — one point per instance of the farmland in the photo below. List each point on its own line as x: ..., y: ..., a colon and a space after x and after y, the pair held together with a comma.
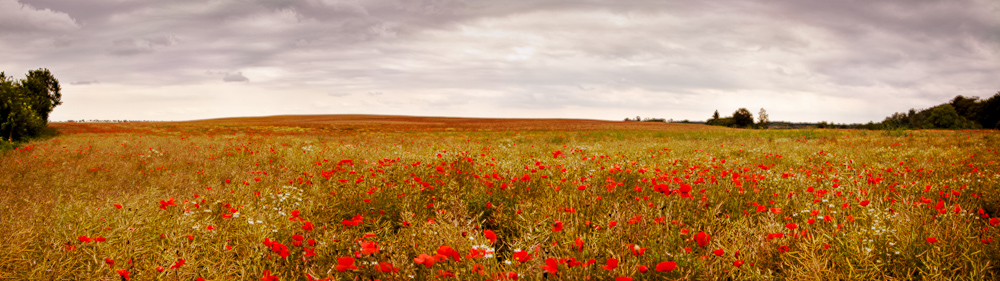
x: 400, y: 198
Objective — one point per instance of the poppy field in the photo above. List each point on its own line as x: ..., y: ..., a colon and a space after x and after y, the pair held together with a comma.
x: 249, y: 201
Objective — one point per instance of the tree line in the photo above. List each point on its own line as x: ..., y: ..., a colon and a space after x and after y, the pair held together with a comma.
x: 741, y: 118
x: 25, y: 104
x: 959, y: 113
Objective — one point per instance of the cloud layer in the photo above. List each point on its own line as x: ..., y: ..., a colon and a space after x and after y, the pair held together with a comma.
x: 841, y: 61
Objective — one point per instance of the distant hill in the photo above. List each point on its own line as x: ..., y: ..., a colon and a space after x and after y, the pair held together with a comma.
x: 410, y: 123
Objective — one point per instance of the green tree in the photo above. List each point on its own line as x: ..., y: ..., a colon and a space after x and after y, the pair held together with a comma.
x: 946, y: 117
x: 42, y: 92
x: 25, y: 105
x: 742, y: 118
x: 763, y: 119
x: 715, y: 116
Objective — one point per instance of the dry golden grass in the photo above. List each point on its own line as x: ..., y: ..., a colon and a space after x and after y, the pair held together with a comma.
x: 420, y: 184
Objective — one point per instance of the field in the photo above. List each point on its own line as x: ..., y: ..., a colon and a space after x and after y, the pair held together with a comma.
x: 400, y: 198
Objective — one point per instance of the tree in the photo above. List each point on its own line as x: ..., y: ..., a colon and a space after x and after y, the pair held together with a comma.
x: 43, y: 92
x: 25, y: 105
x: 762, y: 118
x: 715, y: 116
x: 742, y: 118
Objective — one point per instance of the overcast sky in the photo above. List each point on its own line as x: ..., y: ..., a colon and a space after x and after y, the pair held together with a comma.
x: 802, y: 60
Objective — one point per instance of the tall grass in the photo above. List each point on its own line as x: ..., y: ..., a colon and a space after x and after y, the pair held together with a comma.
x: 846, y: 204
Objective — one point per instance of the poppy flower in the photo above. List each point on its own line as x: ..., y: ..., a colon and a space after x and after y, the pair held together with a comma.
x: 719, y: 252
x: 110, y: 262
x: 638, y: 251
x: 178, y: 264
x: 551, y: 265
x: 738, y: 263
x: 308, y: 226
x: 994, y: 221
x: 490, y: 235
x: 386, y: 267
x: 782, y: 248
x: 522, y: 256
x: 557, y: 226
x: 623, y: 278
x: 666, y: 266
x: 643, y: 269
x: 932, y: 239
x: 864, y: 203
x: 611, y: 265
x: 447, y: 251
x: 424, y: 259
x: 702, y: 238
x: 578, y: 244
x: 791, y: 226
x: 368, y: 248
x: 268, y: 277
x: 84, y: 239
x: 345, y: 264
x: 123, y: 273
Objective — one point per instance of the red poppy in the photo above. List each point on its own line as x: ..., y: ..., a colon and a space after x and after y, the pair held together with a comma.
x: 702, y: 238
x: 932, y: 239
x: 782, y: 248
x: 178, y: 264
x: 791, y: 226
x: 864, y: 203
x: 268, y: 277
x: 522, y: 256
x: 666, y: 266
x: 110, y: 262
x: 490, y: 236
x: 643, y: 269
x: 345, y: 263
x: 611, y: 265
x: 719, y: 252
x: 169, y: 202
x: 623, y: 278
x: 425, y: 260
x: 447, y: 251
x: 551, y: 265
x: 84, y: 239
x: 368, y: 248
x: 123, y: 273
x: 308, y: 226
x: 578, y: 244
x: 738, y: 263
x: 557, y: 226
x: 994, y: 221
x: 386, y: 267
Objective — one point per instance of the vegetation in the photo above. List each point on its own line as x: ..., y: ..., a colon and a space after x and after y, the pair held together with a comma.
x: 269, y: 198
x: 960, y: 113
x: 741, y: 118
x: 25, y: 105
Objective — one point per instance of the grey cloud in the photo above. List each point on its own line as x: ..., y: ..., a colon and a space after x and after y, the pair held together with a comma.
x: 235, y: 77
x: 16, y: 17
x: 527, y: 54
x: 84, y: 82
x: 133, y: 46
